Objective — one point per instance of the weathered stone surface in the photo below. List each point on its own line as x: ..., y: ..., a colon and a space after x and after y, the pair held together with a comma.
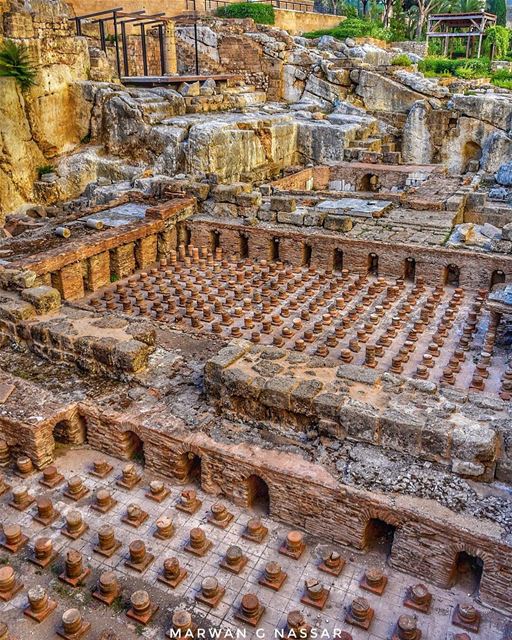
x: 42, y: 298
x: 416, y: 141
x: 382, y: 94
x: 504, y: 175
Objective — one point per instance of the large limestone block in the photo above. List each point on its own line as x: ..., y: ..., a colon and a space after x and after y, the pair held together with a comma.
x: 235, y: 149
x: 382, y: 94
x: 58, y: 112
x: 490, y: 107
x: 19, y: 154
x: 416, y: 140
x: 320, y: 142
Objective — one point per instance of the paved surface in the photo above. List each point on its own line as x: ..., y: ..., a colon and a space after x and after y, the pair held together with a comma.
x: 435, y: 626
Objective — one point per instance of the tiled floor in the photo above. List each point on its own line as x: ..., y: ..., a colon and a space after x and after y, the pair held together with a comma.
x: 435, y: 626
x: 333, y: 314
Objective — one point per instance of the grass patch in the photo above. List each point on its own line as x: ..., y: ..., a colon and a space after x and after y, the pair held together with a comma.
x: 260, y: 13
x: 353, y: 28
x: 502, y: 78
x: 44, y: 169
x: 401, y: 60
x: 461, y: 67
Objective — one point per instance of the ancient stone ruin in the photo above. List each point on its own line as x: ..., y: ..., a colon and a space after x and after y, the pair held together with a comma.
x: 256, y: 329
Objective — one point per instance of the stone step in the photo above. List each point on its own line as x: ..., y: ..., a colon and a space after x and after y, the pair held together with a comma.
x: 370, y: 144
x: 156, y: 112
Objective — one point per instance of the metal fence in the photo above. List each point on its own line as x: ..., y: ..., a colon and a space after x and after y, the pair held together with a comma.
x: 212, y: 5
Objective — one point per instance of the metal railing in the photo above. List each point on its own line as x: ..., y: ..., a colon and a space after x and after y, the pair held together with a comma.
x: 212, y: 5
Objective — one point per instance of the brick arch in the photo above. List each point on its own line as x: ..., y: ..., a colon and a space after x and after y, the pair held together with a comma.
x: 131, y: 441
x: 379, y: 513
x: 184, y: 462
x: 454, y: 548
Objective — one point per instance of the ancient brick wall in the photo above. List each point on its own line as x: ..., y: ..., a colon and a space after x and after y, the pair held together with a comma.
x: 305, y: 495
x: 91, y: 262
x: 476, y: 269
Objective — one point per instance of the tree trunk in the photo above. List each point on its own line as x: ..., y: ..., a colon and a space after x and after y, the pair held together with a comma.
x: 421, y: 21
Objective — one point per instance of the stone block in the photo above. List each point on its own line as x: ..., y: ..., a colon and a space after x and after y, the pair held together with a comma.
x: 98, y: 271
x: 302, y: 397
x: 400, y: 432
x: 296, y: 218
x: 276, y: 392
x: 328, y: 405
x: 43, y: 298
x: 131, y: 356
x: 338, y: 223
x: 359, y: 420
x: 283, y: 203
x: 16, y: 310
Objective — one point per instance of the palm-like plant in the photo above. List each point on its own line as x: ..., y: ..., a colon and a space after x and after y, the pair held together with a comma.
x: 15, y: 63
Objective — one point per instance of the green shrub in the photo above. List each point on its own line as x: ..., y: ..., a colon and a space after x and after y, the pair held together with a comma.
x: 259, y: 12
x: 502, y: 78
x: 463, y: 68
x: 45, y: 168
x: 353, y: 28
x: 15, y: 63
x: 401, y: 60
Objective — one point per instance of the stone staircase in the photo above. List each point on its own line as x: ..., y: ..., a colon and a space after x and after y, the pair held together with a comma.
x: 381, y: 148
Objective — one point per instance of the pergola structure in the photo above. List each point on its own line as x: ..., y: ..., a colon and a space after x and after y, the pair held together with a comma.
x: 119, y: 21
x: 471, y: 26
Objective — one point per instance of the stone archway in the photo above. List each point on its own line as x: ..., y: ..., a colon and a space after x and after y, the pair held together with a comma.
x: 497, y: 277
x: 379, y: 535
x: 187, y: 466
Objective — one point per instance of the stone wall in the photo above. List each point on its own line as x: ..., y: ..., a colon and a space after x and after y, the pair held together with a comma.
x: 276, y: 387
x: 113, y: 347
x: 299, y: 22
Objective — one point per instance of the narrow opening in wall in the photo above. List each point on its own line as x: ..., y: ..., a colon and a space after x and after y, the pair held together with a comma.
x: 497, y: 277
x: 369, y: 182
x: 379, y: 536
x: 373, y: 264
x: 410, y: 269
x: 467, y: 572
x: 194, y: 472
x: 187, y: 236
x: 307, y: 250
x: 258, y: 495
x: 452, y: 275
x: 274, y: 249
x: 338, y: 260
x: 244, y: 246
x: 134, y: 447
x: 61, y: 432
x: 471, y: 154
x: 214, y: 240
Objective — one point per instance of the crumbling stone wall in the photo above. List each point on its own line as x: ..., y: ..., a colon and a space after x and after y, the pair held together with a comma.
x: 269, y: 386
x: 50, y: 118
